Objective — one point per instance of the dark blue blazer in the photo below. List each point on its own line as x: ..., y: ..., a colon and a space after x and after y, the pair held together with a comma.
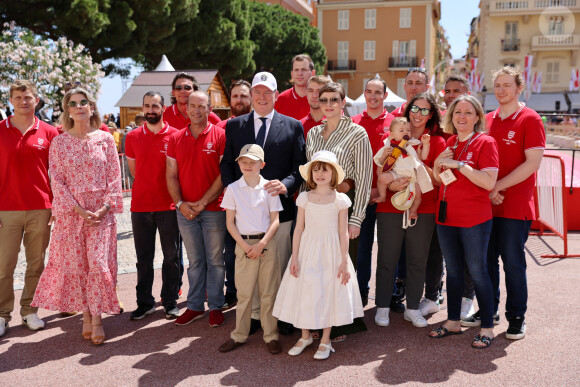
x: 284, y: 152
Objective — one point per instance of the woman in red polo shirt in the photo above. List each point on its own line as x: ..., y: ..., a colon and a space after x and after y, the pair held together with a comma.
x: 467, y: 171
x: 424, y: 118
x: 81, y: 273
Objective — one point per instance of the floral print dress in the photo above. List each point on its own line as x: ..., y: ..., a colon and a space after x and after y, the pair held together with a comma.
x: 81, y: 273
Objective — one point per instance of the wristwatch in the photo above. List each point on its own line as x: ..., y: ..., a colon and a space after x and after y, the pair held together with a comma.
x: 178, y: 204
x: 461, y: 164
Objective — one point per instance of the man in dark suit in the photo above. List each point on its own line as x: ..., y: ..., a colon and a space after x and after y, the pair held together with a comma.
x: 282, y: 138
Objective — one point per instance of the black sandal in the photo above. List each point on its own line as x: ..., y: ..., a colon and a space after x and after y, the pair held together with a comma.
x: 486, y: 340
x: 443, y: 332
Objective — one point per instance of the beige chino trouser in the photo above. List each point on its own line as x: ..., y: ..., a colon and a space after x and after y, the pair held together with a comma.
x: 284, y: 253
x: 263, y: 273
x: 30, y: 228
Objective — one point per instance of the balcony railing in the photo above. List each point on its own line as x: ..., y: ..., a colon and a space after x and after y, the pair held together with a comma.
x: 342, y: 65
x: 403, y: 61
x: 516, y: 7
x: 509, y: 45
x: 556, y: 42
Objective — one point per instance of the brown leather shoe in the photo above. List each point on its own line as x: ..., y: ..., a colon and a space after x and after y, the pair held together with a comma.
x: 274, y: 347
x: 229, y: 345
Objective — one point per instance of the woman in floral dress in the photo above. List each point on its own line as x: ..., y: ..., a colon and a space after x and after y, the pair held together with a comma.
x: 81, y: 273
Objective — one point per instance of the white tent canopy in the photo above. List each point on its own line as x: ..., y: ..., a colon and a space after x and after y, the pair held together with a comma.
x: 392, y: 102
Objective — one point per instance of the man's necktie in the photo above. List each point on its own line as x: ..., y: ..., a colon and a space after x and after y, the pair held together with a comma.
x: 261, y: 137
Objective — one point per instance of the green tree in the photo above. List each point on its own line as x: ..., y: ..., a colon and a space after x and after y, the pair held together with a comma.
x: 236, y: 37
x: 217, y: 38
x: 109, y: 29
x: 279, y: 35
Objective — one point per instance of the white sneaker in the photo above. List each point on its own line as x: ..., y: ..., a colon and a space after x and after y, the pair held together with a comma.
x: 426, y: 306
x: 415, y: 317
x: 33, y: 322
x: 3, y: 326
x: 382, y: 317
x: 466, y: 308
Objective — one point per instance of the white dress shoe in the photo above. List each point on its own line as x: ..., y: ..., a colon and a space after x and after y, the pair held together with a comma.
x: 324, y: 353
x: 295, y: 351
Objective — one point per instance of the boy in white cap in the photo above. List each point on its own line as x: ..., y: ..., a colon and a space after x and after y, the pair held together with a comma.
x: 252, y: 220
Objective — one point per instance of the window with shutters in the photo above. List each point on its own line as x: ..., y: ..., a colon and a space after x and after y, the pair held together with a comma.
x: 553, y: 72
x: 344, y: 83
x: 343, y: 20
x: 369, y: 51
x: 405, y: 18
x: 401, y: 88
x: 343, y: 54
x: 370, y: 19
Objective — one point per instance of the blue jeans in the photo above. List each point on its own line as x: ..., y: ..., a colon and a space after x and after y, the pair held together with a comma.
x: 467, y: 246
x: 508, y: 238
x: 230, y: 262
x: 365, y: 249
x: 203, y: 238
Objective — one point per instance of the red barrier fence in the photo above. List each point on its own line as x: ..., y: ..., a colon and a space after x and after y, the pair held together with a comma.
x: 551, y: 201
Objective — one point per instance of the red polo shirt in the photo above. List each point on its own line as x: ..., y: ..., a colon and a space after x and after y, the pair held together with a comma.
x: 428, y: 199
x: 309, y: 123
x: 467, y: 204
x: 198, y: 162
x: 400, y: 111
x: 291, y: 104
x: 176, y: 120
x: 222, y: 124
x: 514, y: 135
x: 149, y: 150
x: 376, y: 129
x: 24, y: 182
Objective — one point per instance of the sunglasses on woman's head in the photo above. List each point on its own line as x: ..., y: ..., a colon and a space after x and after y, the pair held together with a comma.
x: 82, y: 103
x: 424, y: 111
x: 186, y: 87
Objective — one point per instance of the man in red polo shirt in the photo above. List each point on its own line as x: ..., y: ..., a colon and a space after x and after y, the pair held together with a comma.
x: 521, y: 139
x: 182, y: 86
x: 240, y: 100
x: 293, y: 102
x: 416, y: 81
x: 25, y: 201
x: 194, y: 183
x: 315, y: 116
x: 376, y: 121
x: 152, y: 209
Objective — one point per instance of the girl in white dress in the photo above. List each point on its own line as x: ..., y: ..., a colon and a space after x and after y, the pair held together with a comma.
x: 319, y: 289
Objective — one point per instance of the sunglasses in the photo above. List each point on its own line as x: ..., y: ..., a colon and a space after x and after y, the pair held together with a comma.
x: 424, y: 111
x: 333, y: 100
x: 186, y: 87
x: 417, y: 69
x: 81, y: 103
x: 68, y: 84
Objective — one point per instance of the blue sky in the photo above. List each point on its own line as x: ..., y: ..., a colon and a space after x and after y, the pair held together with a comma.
x: 456, y: 17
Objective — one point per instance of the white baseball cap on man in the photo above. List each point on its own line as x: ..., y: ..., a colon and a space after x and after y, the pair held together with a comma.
x: 265, y: 78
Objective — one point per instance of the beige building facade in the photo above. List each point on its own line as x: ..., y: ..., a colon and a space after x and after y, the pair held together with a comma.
x: 363, y: 38
x: 547, y: 29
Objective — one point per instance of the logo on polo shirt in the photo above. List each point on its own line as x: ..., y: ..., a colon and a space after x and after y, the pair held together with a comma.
x: 40, y: 144
x: 509, y: 138
x: 469, y: 155
x: 164, y: 150
x: 209, y: 148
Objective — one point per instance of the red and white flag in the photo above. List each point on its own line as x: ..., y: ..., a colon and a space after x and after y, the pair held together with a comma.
x: 575, y: 80
x: 432, y: 86
x: 528, y: 69
x: 537, y: 85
